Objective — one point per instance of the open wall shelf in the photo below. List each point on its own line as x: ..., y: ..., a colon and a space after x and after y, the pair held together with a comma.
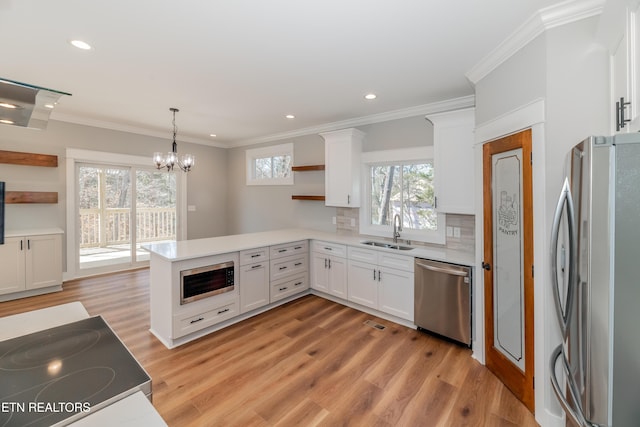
x: 307, y: 168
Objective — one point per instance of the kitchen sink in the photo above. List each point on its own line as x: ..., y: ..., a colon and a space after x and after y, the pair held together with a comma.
x: 388, y: 245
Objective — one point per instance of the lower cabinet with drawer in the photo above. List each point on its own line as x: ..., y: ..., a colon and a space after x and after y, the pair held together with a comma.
x: 289, y: 270
x: 188, y: 323
x: 374, y: 284
x: 289, y: 286
x: 254, y: 279
x: 329, y: 268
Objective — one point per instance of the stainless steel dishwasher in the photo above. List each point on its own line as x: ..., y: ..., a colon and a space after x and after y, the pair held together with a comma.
x: 443, y: 299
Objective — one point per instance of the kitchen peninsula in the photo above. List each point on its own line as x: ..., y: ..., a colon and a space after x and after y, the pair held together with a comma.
x: 255, y: 272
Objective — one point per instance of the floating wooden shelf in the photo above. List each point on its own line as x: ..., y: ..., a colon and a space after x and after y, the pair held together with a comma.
x: 16, y: 197
x: 300, y: 197
x: 307, y: 168
x: 28, y: 159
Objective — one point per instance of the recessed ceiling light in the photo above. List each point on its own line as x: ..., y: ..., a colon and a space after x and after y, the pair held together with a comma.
x: 80, y: 44
x: 290, y: 116
x: 7, y: 105
x: 370, y: 96
x: 6, y: 122
x: 48, y: 105
x: 212, y: 135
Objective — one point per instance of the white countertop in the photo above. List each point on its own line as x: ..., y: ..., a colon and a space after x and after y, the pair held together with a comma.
x: 32, y: 232
x: 133, y: 411
x: 20, y: 324
x: 189, y: 249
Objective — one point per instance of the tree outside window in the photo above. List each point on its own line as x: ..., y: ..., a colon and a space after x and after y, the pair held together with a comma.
x: 406, y: 190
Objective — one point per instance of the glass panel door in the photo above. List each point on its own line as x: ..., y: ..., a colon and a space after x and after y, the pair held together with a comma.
x: 155, y: 209
x: 508, y: 256
x: 104, y: 215
x: 119, y: 209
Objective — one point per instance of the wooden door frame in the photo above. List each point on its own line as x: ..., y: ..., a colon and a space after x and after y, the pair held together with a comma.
x: 522, y: 385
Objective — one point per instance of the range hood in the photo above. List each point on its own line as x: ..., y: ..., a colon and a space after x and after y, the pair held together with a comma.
x: 26, y: 105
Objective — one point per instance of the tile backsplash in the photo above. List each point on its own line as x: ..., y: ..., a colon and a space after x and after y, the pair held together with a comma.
x: 345, y: 217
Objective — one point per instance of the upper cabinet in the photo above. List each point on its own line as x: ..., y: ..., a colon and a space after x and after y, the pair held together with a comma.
x: 342, y: 149
x: 453, y: 141
x: 620, y: 32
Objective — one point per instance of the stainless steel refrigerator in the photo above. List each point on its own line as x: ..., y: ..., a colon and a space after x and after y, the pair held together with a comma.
x: 595, y: 255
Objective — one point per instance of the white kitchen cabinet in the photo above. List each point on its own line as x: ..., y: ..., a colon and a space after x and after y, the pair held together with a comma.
x: 363, y: 283
x: 30, y: 262
x: 342, y: 150
x: 620, y: 33
x: 254, y: 278
x: 453, y: 141
x: 395, y: 292
x: 289, y: 286
x: 289, y: 270
x: 373, y: 283
x: 329, y: 268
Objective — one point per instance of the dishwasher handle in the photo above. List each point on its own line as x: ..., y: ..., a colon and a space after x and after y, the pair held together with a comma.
x: 445, y: 270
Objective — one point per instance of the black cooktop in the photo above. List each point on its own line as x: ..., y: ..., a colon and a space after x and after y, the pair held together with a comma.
x: 64, y: 373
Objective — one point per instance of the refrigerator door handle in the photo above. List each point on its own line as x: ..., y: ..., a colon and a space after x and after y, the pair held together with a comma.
x: 576, y: 414
x: 565, y: 200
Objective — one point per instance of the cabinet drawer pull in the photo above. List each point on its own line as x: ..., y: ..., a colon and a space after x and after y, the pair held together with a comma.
x: 297, y: 264
x: 283, y: 288
x: 282, y: 250
x: 283, y: 268
x: 329, y: 262
x: 29, y: 244
x: 21, y: 244
x: 223, y: 311
x: 298, y: 247
x: 297, y: 284
x: 328, y: 249
x: 197, y: 320
x: 256, y: 266
x: 256, y: 255
x: 379, y: 276
x: 374, y: 274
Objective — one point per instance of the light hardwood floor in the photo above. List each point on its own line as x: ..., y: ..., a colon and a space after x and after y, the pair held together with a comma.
x: 309, y: 362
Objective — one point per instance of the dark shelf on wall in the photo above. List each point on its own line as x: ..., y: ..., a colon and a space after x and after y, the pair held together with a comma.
x: 20, y: 197
x: 300, y: 197
x: 307, y: 168
x: 28, y: 159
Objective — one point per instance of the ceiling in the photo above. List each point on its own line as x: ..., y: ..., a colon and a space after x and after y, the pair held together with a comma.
x: 236, y: 68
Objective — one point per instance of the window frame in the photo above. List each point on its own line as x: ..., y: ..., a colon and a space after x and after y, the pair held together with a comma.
x: 396, y: 157
x: 251, y: 155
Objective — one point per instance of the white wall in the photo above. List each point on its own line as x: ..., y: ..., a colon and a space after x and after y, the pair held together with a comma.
x: 258, y: 208
x: 206, y: 183
x: 564, y: 70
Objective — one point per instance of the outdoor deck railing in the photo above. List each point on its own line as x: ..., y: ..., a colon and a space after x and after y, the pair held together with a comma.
x: 152, y: 224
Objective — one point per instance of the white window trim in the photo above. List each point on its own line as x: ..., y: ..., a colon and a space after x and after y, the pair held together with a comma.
x: 271, y: 151
x: 404, y: 155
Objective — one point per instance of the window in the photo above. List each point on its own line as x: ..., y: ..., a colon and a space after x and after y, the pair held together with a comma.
x: 397, y: 186
x: 270, y: 165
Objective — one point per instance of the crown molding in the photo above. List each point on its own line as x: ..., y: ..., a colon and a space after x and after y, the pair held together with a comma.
x: 435, y: 107
x: 544, y: 19
x: 103, y: 124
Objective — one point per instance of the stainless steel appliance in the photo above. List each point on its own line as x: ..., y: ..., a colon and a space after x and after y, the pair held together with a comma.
x: 203, y: 282
x: 595, y: 251
x: 442, y: 299
x: 61, y: 374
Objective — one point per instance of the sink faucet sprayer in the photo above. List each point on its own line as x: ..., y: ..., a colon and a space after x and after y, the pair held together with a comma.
x: 397, y: 228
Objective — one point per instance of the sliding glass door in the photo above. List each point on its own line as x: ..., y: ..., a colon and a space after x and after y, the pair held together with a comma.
x: 119, y: 208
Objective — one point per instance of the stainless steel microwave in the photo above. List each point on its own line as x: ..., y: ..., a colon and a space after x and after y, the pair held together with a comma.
x: 204, y: 282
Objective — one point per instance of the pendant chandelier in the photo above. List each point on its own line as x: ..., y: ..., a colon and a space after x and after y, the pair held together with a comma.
x: 171, y: 159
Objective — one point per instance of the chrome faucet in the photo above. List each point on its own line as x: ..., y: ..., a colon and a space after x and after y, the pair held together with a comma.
x: 397, y: 228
